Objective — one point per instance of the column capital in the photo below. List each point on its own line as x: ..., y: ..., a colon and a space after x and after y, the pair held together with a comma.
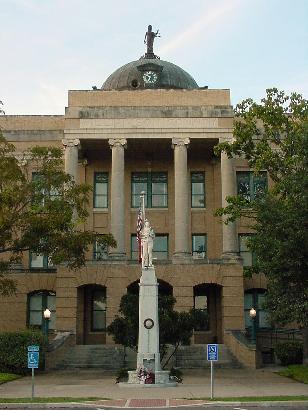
x: 71, y: 142
x: 117, y: 142
x: 22, y: 158
x: 230, y: 139
x: 180, y: 142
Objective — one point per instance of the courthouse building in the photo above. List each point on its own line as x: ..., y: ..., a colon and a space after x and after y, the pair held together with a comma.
x: 150, y: 128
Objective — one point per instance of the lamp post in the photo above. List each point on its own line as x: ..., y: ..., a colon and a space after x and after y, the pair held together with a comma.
x: 47, y: 315
x: 253, y: 316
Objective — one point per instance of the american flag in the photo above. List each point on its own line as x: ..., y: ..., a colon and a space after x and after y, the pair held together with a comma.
x: 139, y: 229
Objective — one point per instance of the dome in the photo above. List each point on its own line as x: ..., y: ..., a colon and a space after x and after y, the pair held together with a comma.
x: 149, y: 73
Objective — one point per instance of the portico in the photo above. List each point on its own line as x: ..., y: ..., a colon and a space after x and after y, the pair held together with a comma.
x: 208, y: 123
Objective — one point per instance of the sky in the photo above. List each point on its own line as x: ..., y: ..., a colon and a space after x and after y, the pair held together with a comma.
x: 48, y: 47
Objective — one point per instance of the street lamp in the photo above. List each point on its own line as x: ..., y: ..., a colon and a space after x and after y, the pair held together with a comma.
x: 253, y: 316
x: 47, y: 315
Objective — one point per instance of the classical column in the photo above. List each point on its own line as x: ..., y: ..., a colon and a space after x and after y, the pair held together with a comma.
x: 71, y: 146
x: 181, y: 200
x: 228, y: 188
x: 117, y: 197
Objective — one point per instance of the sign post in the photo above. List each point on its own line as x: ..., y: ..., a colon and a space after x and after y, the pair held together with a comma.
x: 33, y: 362
x: 212, y: 356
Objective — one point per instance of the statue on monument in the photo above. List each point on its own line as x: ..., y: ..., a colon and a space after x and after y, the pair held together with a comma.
x: 148, y: 370
x: 147, y: 237
x: 149, y: 40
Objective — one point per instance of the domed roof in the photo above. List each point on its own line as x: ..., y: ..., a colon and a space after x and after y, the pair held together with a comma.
x: 149, y: 73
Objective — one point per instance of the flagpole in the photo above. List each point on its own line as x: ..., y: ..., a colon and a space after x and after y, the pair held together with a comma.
x: 140, y: 224
x: 142, y: 205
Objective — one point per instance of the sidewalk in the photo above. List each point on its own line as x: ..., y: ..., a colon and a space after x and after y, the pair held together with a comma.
x: 196, y: 384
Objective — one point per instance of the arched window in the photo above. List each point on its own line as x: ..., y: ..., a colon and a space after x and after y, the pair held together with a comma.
x: 38, y: 301
x: 254, y: 298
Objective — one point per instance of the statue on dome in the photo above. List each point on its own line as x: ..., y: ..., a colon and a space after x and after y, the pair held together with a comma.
x: 149, y: 40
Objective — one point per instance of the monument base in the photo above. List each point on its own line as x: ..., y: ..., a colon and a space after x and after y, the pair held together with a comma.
x: 161, y: 380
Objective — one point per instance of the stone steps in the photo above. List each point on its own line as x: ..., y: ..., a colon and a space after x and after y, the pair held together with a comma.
x: 195, y: 356
x: 92, y: 356
x: 108, y: 357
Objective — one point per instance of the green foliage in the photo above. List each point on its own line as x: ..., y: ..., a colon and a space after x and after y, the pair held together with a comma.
x: 122, y: 374
x: 273, y: 136
x: 296, y: 372
x: 14, y: 353
x: 8, y: 377
x: 44, y: 214
x: 124, y: 328
x: 289, y: 352
x: 176, y: 374
x: 175, y: 328
x: 200, y: 318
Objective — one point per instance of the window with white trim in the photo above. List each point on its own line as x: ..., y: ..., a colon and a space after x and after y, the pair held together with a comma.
x: 37, y: 302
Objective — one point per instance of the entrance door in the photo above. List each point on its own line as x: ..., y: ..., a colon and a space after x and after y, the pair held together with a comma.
x: 207, y: 300
x: 91, y: 315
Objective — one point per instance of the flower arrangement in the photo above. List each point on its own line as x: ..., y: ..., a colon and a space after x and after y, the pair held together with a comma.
x: 146, y: 376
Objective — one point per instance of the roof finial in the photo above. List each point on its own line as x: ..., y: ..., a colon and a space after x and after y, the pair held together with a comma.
x: 149, y: 40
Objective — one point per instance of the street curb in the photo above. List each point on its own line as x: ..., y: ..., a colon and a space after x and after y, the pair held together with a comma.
x: 73, y: 404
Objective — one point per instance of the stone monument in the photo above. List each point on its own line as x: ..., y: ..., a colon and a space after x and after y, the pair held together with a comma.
x: 148, y: 372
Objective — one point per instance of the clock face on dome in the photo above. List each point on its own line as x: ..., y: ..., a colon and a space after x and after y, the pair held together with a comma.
x: 150, y: 77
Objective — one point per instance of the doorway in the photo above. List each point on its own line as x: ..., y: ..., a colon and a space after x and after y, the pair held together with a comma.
x: 91, y: 315
x: 207, y: 302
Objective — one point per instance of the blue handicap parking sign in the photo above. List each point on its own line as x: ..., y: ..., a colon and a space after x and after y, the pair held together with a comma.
x: 212, y: 352
x: 33, y: 357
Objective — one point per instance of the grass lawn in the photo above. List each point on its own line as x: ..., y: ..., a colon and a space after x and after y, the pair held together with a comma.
x: 298, y: 372
x: 50, y: 399
x: 8, y: 377
x: 252, y: 398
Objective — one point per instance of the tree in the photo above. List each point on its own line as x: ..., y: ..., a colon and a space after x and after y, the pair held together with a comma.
x: 175, y: 328
x: 42, y: 211
x: 273, y: 137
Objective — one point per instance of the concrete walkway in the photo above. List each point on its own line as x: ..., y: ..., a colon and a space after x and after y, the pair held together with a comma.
x: 196, y: 384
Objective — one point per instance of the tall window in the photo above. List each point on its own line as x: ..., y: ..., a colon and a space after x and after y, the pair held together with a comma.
x: 197, y: 190
x: 39, y: 261
x: 37, y: 303
x: 254, y: 298
x: 155, y: 186
x: 246, y: 254
x: 98, y: 322
x: 100, y: 194
x: 100, y: 252
x: 160, y: 247
x: 41, y: 192
x: 199, y: 246
x: 251, y: 186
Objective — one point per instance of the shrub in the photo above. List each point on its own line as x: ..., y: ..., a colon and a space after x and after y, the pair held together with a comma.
x: 176, y: 374
x: 289, y: 352
x: 296, y: 372
x: 14, y: 350
x: 122, y: 374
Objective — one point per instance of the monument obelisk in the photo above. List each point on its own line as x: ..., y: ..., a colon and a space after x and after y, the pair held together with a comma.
x: 148, y: 356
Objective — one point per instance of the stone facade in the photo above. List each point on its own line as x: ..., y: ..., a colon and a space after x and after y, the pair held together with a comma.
x: 118, y: 133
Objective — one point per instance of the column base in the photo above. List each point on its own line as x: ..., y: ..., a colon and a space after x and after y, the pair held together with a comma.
x: 117, y: 257
x: 161, y: 380
x: 231, y: 257
x: 181, y: 258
